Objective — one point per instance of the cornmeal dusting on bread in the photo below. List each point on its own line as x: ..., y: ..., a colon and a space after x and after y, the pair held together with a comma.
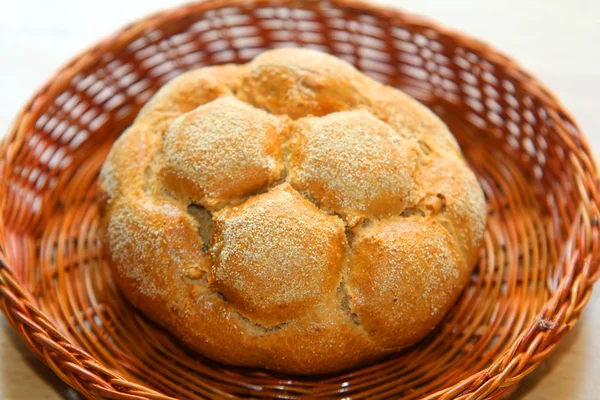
x: 348, y: 163
x: 223, y: 150
x: 301, y: 83
x: 303, y: 218
x: 273, y: 279
x: 152, y: 231
x: 402, y: 271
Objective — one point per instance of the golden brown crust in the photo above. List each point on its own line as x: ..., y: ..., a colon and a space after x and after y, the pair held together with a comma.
x: 273, y: 280
x: 205, y: 160
x: 463, y: 212
x: 351, y: 164
x: 300, y: 83
x: 290, y: 214
x: 404, y: 275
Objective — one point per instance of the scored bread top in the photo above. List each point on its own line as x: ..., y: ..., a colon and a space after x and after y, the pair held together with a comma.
x: 290, y: 214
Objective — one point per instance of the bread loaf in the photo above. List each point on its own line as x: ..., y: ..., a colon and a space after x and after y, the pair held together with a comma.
x: 290, y: 214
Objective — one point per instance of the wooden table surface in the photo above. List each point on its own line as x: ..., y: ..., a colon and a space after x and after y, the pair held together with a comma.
x: 557, y: 40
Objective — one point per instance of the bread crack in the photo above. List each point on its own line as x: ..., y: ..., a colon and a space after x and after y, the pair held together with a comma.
x: 220, y: 295
x: 349, y: 236
x: 203, y: 217
x: 259, y: 328
x: 289, y: 136
x: 430, y: 205
x: 150, y: 175
x: 344, y: 301
x: 413, y: 212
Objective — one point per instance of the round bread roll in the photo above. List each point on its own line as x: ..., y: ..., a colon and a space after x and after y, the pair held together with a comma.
x: 290, y: 214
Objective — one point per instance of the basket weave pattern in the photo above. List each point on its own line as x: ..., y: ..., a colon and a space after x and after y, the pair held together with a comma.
x: 537, y: 268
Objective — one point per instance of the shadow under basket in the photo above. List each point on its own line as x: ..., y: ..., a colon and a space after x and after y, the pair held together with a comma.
x: 535, y: 274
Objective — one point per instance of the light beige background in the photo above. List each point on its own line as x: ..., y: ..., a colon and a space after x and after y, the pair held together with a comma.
x: 557, y: 40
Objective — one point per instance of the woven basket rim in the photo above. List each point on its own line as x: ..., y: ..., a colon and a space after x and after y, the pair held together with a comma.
x: 15, y: 297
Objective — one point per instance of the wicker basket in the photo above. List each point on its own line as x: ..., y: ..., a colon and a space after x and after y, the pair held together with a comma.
x: 541, y: 248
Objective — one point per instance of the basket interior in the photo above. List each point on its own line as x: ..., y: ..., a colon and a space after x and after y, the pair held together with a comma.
x: 508, y: 132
